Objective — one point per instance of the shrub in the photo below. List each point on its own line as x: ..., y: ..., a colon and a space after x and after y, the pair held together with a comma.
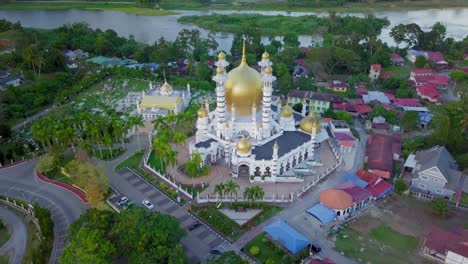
x: 270, y: 261
x: 254, y: 250
x: 400, y: 186
x: 439, y: 207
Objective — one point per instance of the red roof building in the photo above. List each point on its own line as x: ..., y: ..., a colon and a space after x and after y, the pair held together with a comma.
x: 380, y: 189
x: 361, y: 90
x: 337, y: 86
x: 396, y: 59
x: 429, y: 92
x: 390, y: 96
x: 437, y: 59
x: 339, y: 106
x: 406, y: 102
x: 447, y: 246
x: 421, y: 72
x: 376, y: 67
x: 362, y: 109
x: 359, y: 194
x: 382, y: 174
x: 386, y: 75
x: 382, y: 149
x: 368, y: 177
x: 440, y: 80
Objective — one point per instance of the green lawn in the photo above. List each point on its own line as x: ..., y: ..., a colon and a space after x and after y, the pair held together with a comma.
x: 132, y: 162
x: 118, y: 7
x: 220, y: 221
x: 4, y: 259
x: 382, y: 240
x: 4, y: 234
x: 464, y: 198
x: 402, y: 72
x: 156, y: 163
x: 268, y: 250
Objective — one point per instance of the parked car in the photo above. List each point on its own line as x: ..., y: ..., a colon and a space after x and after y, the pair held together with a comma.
x: 315, y: 248
x: 123, y: 200
x: 147, y: 204
x: 130, y: 204
x: 218, y: 250
x: 194, y: 225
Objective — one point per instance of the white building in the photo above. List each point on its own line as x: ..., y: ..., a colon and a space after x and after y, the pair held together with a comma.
x: 162, y: 100
x: 255, y: 138
x: 374, y: 72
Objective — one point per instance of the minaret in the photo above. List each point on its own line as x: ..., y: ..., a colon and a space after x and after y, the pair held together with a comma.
x: 268, y: 80
x: 265, y: 62
x: 274, y: 167
x: 254, y: 120
x: 304, y: 110
x: 227, y: 148
x: 222, y: 61
x: 233, y: 114
x: 220, y: 78
x: 207, y: 105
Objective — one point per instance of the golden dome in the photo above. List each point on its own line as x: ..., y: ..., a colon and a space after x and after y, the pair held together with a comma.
x: 265, y: 56
x: 286, y: 111
x: 221, y: 56
x: 243, y: 87
x: 166, y: 88
x: 201, y: 113
x: 219, y: 70
x: 243, y: 145
x: 276, y: 145
x: 268, y: 70
x: 309, y: 122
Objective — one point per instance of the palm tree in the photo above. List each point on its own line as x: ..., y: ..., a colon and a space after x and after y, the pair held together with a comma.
x: 231, y: 187
x: 136, y: 122
x: 179, y: 138
x: 248, y: 195
x: 219, y: 189
x: 257, y: 193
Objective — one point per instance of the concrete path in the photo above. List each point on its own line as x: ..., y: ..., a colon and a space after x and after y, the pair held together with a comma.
x: 19, y: 236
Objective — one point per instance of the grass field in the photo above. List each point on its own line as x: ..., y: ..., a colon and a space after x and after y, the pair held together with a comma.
x: 4, y: 259
x: 4, y: 234
x: 133, y: 162
x: 117, y: 7
x: 268, y: 251
x: 381, y: 240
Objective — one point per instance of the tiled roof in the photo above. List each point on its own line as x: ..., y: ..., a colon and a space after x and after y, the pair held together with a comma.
x: 406, y: 102
x: 376, y: 67
x: 359, y: 194
x: 336, y: 199
x: 442, y: 241
x: 429, y: 90
x: 344, y: 136
x: 382, y: 174
x: 435, y: 56
x: 361, y: 90
x: 368, y: 177
x: 439, y: 80
x: 422, y: 71
x: 380, y: 151
x: 362, y: 109
x: 379, y: 188
x: 396, y: 57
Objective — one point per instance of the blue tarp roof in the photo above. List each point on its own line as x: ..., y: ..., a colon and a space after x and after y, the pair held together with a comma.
x: 356, y: 180
x: 287, y: 236
x: 322, y: 213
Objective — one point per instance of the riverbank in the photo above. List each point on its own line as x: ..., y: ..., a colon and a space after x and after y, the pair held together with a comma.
x: 361, y: 7
x: 117, y: 7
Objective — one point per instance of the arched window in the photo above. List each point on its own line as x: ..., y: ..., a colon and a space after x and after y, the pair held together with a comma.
x: 267, y: 172
x: 257, y: 171
x: 306, y: 154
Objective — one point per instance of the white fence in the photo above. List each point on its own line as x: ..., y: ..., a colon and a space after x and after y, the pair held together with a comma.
x: 163, y: 177
x: 425, y: 196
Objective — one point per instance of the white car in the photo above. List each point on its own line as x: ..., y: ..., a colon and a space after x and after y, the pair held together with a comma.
x: 147, y: 204
x: 123, y: 200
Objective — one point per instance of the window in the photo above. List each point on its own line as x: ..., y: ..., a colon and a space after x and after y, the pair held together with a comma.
x: 424, y: 177
x: 338, y: 213
x: 422, y: 186
x: 439, y: 191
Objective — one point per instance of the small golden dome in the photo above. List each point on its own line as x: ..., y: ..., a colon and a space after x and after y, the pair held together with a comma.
x: 166, y: 88
x: 265, y: 56
x: 309, y: 122
x: 286, y: 111
x: 276, y: 145
x: 243, y: 146
x: 202, y: 113
x: 221, y: 56
x: 226, y: 124
x: 268, y: 70
x: 219, y: 70
x: 243, y: 87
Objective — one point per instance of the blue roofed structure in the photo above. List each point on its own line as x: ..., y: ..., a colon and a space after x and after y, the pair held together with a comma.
x: 356, y: 180
x: 324, y: 214
x: 287, y: 236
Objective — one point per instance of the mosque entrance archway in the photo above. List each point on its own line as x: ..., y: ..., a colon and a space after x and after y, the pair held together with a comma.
x: 243, y: 171
x: 208, y: 160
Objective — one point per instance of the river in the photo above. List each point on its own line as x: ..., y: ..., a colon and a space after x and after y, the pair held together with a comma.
x: 147, y: 29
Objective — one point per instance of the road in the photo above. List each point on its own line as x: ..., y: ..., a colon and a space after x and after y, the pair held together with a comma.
x: 30, y: 119
x: 296, y: 216
x: 20, y: 182
x: 197, y: 243
x: 19, y: 236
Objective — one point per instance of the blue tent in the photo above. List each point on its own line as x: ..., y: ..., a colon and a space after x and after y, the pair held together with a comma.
x: 322, y: 213
x: 287, y: 236
x: 356, y: 180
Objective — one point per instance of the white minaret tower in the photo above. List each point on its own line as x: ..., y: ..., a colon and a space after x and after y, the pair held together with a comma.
x: 274, y: 167
x: 233, y: 114
x: 268, y: 80
x: 254, y: 120
x: 220, y: 78
x: 265, y: 62
x: 202, y: 125
x: 227, y: 147
x: 222, y: 61
x: 304, y: 110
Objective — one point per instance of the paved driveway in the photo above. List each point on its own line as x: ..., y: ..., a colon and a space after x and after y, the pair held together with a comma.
x: 19, y: 235
x: 20, y: 182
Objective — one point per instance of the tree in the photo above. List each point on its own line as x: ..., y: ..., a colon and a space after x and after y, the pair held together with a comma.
x: 440, y: 207
x: 329, y: 113
x: 89, y: 246
x: 257, y: 193
x: 229, y: 257
x: 297, y: 107
x: 410, y: 120
x: 219, y: 189
x: 203, y: 72
x: 47, y: 164
x: 231, y: 187
x: 400, y: 186
x: 345, y: 116
x: 398, y: 33
x: 420, y: 62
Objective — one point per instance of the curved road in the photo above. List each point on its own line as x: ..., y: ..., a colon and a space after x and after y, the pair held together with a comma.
x: 19, y: 235
x: 20, y: 182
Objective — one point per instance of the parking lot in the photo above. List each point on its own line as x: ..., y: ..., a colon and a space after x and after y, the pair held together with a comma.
x: 197, y: 243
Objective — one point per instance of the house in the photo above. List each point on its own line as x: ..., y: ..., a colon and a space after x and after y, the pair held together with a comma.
x: 382, y: 150
x: 386, y: 75
x: 406, y: 102
x: 396, y: 59
x: 440, y: 80
x: 361, y: 90
x: 428, y: 92
x: 299, y: 72
x: 318, y: 102
x: 72, y: 55
x: 434, y: 172
x: 10, y: 80
x: 379, y: 122
x: 447, y: 246
x: 375, y: 97
x: 379, y: 187
x: 337, y: 86
x: 411, y: 55
x: 361, y: 197
x: 337, y: 200
x: 342, y: 134
x: 374, y: 72
x: 437, y: 60
x: 421, y: 72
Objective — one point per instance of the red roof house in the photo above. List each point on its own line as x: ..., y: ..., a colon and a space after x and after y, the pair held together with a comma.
x: 376, y: 67
x: 362, y: 109
x: 337, y: 86
x: 437, y: 59
x: 386, y: 75
x: 429, y: 92
x: 446, y: 245
x: 368, y: 177
x: 361, y: 90
x: 421, y: 72
x: 357, y: 193
x: 380, y: 189
x: 382, y: 149
x: 440, y: 80
x: 396, y: 59
x: 406, y: 102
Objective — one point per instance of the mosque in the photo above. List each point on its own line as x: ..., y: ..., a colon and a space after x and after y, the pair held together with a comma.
x: 255, y: 137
